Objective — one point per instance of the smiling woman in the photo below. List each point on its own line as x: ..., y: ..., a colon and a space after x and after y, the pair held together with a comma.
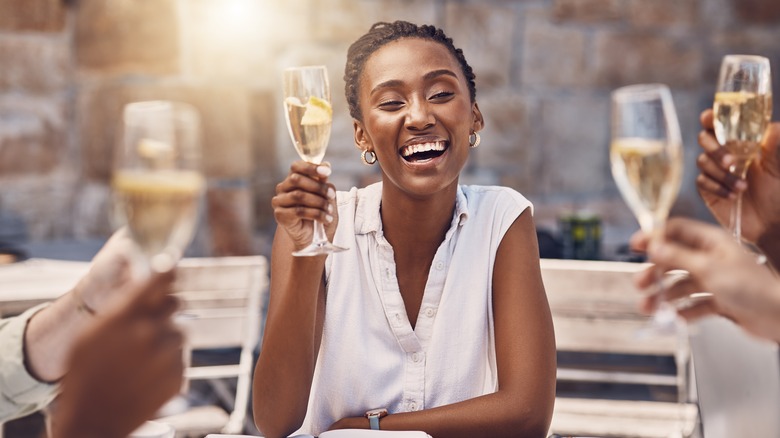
x: 437, y: 313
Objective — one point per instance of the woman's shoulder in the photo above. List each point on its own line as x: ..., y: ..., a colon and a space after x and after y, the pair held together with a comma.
x: 355, y: 195
x: 494, y: 197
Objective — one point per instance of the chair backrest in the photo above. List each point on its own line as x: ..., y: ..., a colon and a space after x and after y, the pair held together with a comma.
x: 221, y: 308
x: 595, y: 310
x: 737, y: 380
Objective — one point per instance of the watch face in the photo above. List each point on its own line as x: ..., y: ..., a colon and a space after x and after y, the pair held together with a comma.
x: 380, y: 412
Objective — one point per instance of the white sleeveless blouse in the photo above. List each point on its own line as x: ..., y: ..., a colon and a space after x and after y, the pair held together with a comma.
x: 370, y: 357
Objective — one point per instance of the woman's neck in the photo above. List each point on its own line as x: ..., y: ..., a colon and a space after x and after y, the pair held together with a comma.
x: 416, y: 224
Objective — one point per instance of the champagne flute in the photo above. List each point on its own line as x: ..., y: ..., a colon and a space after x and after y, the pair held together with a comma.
x: 742, y: 111
x: 157, y: 182
x: 647, y: 160
x: 309, y: 117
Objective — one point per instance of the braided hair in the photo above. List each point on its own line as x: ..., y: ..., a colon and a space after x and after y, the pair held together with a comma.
x: 382, y: 33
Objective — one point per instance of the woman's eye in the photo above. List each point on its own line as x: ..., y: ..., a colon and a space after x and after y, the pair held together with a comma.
x: 442, y: 95
x: 390, y: 105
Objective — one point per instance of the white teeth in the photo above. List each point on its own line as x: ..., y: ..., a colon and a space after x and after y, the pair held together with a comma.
x: 422, y: 147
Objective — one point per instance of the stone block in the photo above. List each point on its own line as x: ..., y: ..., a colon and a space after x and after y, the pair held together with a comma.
x: 34, y: 65
x: 238, y: 40
x: 134, y: 36
x: 44, y: 203
x: 510, y: 143
x: 33, y: 136
x: 224, y: 112
x: 757, y: 11
x: 229, y: 215
x: 93, y: 210
x: 344, y: 21
x: 663, y: 14
x: 263, y: 107
x: 552, y: 55
x: 486, y: 37
x: 623, y: 58
x: 587, y: 11
x: 575, y: 141
x: 32, y: 15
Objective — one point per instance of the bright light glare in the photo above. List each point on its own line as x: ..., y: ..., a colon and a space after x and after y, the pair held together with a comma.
x: 234, y: 19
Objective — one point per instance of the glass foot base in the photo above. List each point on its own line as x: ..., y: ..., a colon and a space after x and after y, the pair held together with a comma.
x: 315, y: 249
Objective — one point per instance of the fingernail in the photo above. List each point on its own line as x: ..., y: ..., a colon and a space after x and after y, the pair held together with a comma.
x: 323, y: 170
x: 330, y: 208
x: 741, y: 185
x: 331, y: 193
x: 328, y: 218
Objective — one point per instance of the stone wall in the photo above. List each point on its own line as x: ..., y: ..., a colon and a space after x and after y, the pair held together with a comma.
x: 544, y: 68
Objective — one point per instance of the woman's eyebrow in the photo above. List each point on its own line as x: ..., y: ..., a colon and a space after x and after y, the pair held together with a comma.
x: 428, y: 76
x: 436, y: 73
x: 386, y: 84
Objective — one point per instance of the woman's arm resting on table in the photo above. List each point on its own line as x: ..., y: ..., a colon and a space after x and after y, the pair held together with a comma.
x: 525, y: 355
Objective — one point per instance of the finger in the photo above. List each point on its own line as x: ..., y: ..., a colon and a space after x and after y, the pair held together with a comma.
x: 682, y: 288
x: 289, y: 215
x: 151, y: 296
x: 707, y: 120
x: 692, y: 233
x: 698, y: 309
x: 314, y: 171
x: 672, y: 255
x: 639, y: 241
x: 646, y: 278
x: 297, y: 181
x: 707, y: 185
x: 300, y: 199
x: 770, y: 144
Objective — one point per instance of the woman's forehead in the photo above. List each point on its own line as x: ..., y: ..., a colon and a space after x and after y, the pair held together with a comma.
x: 408, y: 56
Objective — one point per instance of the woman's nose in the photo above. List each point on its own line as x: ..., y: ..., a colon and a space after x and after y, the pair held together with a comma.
x: 419, y: 115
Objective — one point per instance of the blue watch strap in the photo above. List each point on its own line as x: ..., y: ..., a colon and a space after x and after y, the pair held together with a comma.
x: 373, y: 421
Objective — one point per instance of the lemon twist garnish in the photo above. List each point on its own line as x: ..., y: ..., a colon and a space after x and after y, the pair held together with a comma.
x: 318, y: 112
x: 154, y: 149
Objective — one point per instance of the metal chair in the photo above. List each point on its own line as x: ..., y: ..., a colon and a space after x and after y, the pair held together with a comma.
x: 221, y: 309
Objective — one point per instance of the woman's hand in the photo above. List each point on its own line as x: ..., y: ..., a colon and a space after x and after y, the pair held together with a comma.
x: 304, y: 196
x: 738, y: 288
x: 761, y: 191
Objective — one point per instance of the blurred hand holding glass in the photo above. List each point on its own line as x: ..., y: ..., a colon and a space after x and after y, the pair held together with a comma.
x: 157, y: 181
x: 742, y: 111
x: 309, y: 118
x: 647, y: 160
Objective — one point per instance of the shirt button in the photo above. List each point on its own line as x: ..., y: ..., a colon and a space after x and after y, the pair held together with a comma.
x: 415, y: 357
x: 429, y: 312
x: 439, y: 265
x: 413, y: 406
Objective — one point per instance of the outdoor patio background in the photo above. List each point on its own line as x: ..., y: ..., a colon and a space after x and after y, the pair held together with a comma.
x: 544, y: 68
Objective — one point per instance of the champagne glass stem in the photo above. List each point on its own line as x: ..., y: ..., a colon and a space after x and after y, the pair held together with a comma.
x: 319, y: 237
x: 736, y: 218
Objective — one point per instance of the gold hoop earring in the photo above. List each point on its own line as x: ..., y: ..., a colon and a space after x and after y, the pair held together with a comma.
x: 368, y: 157
x: 474, y: 140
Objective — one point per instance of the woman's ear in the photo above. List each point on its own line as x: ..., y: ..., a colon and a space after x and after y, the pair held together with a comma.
x: 362, y: 141
x: 476, y: 114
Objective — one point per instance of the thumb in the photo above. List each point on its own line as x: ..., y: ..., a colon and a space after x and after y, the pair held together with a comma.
x: 770, y: 148
x: 151, y: 296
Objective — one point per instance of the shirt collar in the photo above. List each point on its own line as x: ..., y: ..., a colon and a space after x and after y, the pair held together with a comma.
x: 368, y: 219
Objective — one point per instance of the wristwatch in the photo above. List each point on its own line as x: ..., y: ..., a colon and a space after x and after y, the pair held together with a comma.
x: 374, y: 415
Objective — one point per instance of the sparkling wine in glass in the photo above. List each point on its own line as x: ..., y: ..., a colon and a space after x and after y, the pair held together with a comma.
x: 309, y: 118
x: 647, y: 161
x: 742, y: 112
x: 157, y: 181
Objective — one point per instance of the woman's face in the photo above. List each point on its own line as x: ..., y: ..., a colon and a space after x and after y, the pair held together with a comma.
x: 417, y: 115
